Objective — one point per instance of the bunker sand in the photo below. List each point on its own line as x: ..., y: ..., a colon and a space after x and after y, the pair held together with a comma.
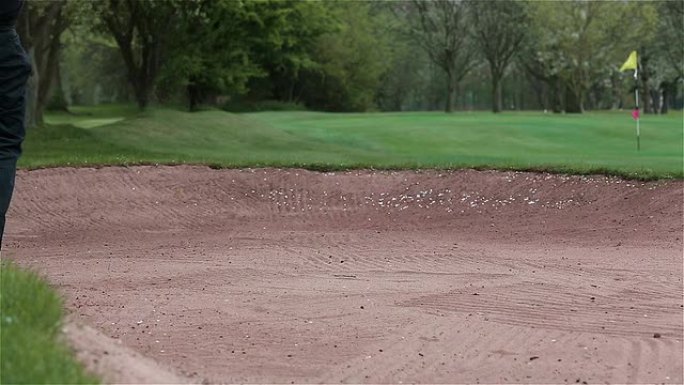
x: 279, y: 276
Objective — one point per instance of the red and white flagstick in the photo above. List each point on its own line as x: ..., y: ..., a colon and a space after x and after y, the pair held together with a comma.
x: 636, y: 114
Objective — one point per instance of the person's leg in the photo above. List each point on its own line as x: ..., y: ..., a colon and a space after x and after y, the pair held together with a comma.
x: 14, y: 72
x: 6, y: 187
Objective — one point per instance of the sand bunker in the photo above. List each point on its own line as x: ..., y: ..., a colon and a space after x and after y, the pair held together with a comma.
x: 283, y: 276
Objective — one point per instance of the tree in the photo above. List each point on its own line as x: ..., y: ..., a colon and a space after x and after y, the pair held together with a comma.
x: 141, y: 30
x: 226, y: 47
x: 499, y: 28
x: 40, y: 26
x: 351, y: 60
x: 288, y: 44
x: 665, y: 57
x: 671, y: 34
x: 404, y: 79
x: 575, y: 41
x: 92, y: 70
x: 212, y: 50
x: 441, y: 28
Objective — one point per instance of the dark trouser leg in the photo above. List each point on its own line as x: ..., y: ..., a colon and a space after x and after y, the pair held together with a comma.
x: 6, y: 187
x: 15, y: 69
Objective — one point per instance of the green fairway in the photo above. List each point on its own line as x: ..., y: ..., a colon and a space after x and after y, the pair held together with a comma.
x: 30, y: 349
x: 588, y: 143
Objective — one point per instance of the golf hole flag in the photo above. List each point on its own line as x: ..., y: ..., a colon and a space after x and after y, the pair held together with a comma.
x: 632, y: 63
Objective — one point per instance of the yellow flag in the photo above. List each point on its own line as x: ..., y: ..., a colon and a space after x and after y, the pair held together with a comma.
x: 631, y: 63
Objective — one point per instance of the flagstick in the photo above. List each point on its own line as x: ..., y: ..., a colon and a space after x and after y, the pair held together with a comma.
x: 636, y: 92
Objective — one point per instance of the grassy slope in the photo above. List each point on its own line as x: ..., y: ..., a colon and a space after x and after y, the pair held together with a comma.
x: 589, y: 143
x: 30, y: 316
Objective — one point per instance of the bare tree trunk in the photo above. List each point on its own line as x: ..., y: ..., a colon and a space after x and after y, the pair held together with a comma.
x: 646, y: 92
x: 644, y: 77
x: 497, y: 101
x: 573, y: 101
x: 141, y: 94
x: 449, y: 105
x: 193, y: 97
x: 557, y: 105
x: 142, y: 56
x: 59, y: 97
x: 669, y: 88
x: 654, y: 97
x: 615, y: 95
x: 40, y: 30
x: 49, y: 73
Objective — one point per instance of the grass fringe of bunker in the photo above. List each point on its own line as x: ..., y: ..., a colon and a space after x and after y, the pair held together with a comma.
x: 642, y: 176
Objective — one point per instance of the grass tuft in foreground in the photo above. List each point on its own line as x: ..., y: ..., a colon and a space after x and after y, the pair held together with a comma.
x: 31, y: 351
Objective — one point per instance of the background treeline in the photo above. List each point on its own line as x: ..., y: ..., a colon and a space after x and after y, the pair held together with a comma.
x: 354, y: 55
